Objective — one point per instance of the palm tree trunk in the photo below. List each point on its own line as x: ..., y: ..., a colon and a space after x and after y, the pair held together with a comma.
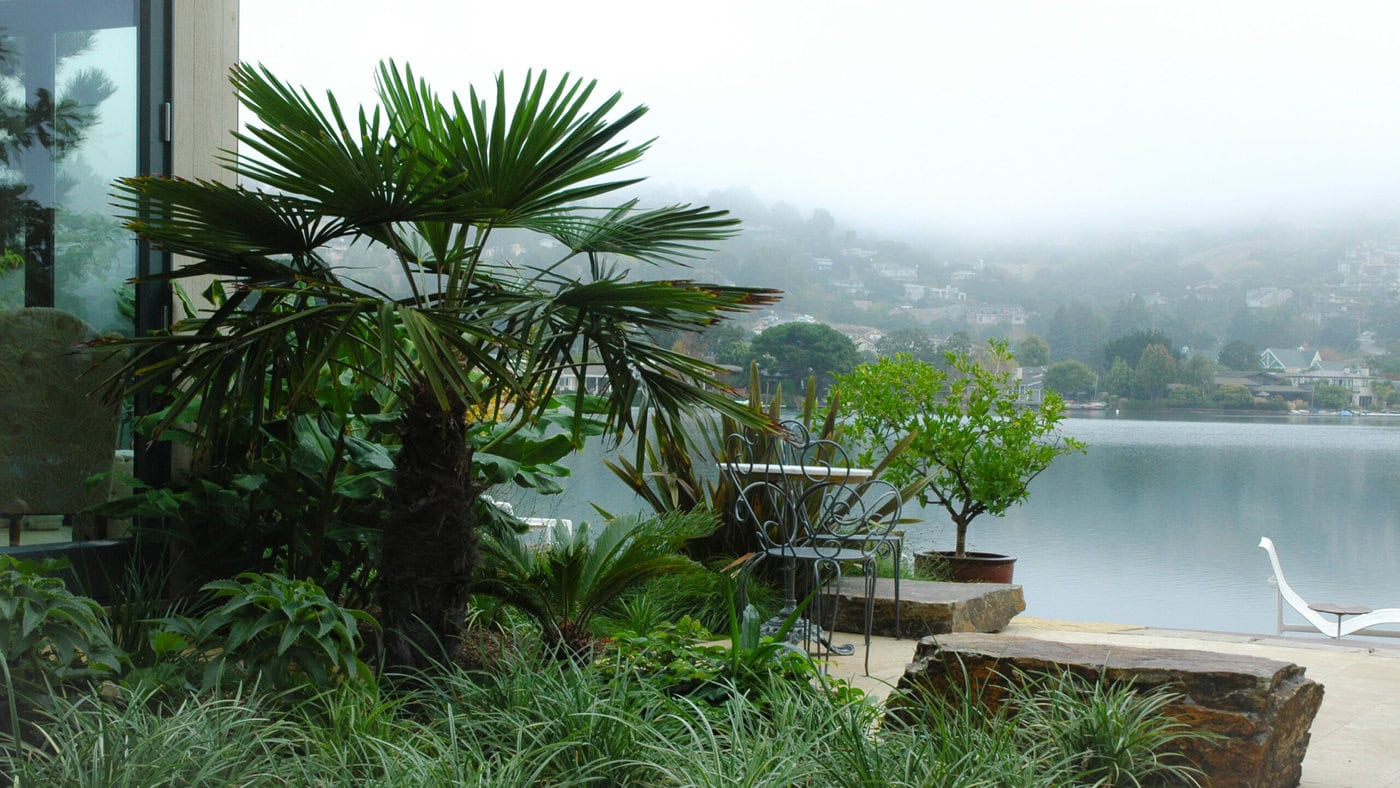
x: 429, y: 544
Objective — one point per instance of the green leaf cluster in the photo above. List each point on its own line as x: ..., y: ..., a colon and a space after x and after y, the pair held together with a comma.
x: 674, y: 659
x: 46, y: 631
x: 436, y: 317
x: 269, y: 629
x: 302, y: 494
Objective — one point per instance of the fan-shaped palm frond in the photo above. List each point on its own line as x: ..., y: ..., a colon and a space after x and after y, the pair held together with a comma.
x: 425, y: 183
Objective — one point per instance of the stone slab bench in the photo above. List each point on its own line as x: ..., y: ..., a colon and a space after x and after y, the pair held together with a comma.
x: 929, y: 608
x: 1261, y: 708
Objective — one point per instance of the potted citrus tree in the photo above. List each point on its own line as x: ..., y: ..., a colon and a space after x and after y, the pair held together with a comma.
x: 974, y: 446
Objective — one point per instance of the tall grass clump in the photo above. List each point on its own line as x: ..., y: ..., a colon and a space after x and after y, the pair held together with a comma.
x: 91, y: 740
x: 1108, y: 733
x: 537, y: 720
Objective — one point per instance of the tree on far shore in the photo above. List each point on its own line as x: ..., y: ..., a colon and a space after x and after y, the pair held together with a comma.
x: 1239, y: 356
x: 794, y: 351
x: 1071, y: 379
x: 1154, y: 370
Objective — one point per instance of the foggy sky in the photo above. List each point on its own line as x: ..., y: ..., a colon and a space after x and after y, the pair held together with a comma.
x: 975, y: 116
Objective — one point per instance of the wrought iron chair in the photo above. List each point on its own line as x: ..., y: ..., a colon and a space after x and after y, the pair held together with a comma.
x: 808, y: 506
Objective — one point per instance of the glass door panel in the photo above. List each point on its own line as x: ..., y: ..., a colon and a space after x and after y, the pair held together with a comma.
x: 71, y: 99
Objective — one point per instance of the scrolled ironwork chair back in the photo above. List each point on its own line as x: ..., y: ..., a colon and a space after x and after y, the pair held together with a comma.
x: 800, y: 491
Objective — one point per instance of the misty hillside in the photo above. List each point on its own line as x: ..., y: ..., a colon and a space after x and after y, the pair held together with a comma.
x: 1279, y: 283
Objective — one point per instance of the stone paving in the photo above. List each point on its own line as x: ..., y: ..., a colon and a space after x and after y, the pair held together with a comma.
x: 1355, y: 736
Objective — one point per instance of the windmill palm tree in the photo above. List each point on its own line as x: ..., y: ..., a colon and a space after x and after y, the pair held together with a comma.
x: 472, y: 336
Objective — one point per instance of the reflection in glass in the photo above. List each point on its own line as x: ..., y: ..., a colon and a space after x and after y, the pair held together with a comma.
x: 93, y: 256
x: 67, y: 130
x: 69, y: 127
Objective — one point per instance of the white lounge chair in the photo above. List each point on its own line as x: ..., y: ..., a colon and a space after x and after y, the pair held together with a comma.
x: 1335, y: 629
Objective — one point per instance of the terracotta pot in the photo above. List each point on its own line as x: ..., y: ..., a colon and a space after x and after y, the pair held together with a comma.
x: 970, y: 568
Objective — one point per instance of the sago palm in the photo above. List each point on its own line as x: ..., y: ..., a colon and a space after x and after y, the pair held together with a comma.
x: 565, y: 585
x: 469, y: 336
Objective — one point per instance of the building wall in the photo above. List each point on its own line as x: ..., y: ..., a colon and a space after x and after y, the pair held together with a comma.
x: 205, y: 113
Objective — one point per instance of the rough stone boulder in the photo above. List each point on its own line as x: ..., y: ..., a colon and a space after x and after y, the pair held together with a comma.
x: 1261, y: 708
x: 929, y: 608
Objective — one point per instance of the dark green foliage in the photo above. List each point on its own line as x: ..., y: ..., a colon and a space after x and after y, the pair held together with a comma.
x: 1156, y: 367
x: 1077, y: 332
x: 914, y: 340
x: 1071, y: 379
x: 1239, y: 356
x: 700, y: 595
x: 302, y: 495
x: 1385, y: 394
x: 1130, y: 347
x: 48, y: 633
x: 453, y: 332
x: 1186, y: 398
x: 792, y: 352
x: 672, y: 660
x: 1330, y: 397
x: 1233, y: 396
x: 1118, y: 381
x: 269, y: 630
x: 1033, y: 352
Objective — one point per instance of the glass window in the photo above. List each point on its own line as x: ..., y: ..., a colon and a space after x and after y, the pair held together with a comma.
x: 73, y: 85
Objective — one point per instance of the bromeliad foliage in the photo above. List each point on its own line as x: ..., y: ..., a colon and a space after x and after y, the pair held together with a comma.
x: 464, y: 334
x: 674, y: 465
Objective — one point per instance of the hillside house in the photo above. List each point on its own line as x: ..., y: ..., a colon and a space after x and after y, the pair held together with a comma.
x: 948, y: 293
x: 996, y: 314
x: 1264, y: 385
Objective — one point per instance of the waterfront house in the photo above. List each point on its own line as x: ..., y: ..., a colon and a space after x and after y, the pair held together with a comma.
x: 1289, y: 360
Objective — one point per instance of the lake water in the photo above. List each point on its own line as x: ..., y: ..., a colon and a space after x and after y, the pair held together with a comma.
x: 1158, y: 523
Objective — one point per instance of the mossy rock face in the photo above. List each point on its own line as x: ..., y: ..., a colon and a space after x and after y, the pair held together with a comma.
x: 55, y: 432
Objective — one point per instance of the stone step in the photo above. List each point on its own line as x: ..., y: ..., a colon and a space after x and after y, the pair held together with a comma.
x: 927, y: 607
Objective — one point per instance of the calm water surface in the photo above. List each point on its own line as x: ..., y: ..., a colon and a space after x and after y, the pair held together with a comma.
x: 1158, y: 523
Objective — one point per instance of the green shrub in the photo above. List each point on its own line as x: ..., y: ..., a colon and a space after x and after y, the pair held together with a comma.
x: 673, y: 660
x: 1186, y: 397
x: 140, y: 739
x: 46, y: 631
x: 278, y: 632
